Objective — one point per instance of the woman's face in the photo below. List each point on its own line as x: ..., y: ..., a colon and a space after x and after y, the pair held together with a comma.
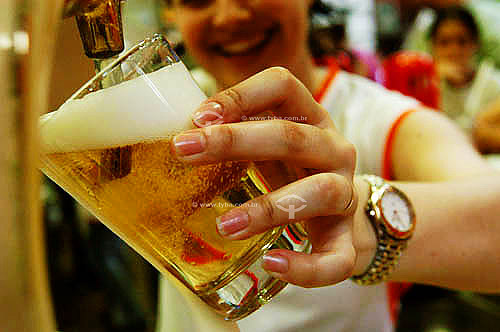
x: 234, y: 39
x: 454, y: 43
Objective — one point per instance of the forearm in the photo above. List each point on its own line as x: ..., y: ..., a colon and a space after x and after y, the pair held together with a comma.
x: 456, y: 243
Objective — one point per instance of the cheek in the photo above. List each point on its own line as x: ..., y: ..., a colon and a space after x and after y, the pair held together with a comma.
x: 441, y: 50
x: 471, y: 49
x: 296, y: 31
x: 191, y: 29
x: 194, y: 37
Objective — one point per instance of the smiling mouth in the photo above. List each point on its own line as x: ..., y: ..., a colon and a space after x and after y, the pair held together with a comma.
x: 248, y: 46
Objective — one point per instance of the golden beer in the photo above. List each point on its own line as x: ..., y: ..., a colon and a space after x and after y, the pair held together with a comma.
x: 111, y: 149
x: 164, y: 208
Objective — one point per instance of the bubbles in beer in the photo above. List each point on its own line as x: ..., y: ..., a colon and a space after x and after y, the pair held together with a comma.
x: 152, y: 204
x: 111, y: 150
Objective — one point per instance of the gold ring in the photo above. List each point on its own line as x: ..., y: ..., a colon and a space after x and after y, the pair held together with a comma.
x: 351, y: 201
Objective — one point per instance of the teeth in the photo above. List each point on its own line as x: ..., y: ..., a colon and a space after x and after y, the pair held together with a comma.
x: 244, y: 45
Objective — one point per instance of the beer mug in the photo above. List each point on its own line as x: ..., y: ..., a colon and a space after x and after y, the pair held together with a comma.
x: 109, y: 146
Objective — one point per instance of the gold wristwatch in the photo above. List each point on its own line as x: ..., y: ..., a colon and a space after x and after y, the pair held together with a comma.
x: 393, y: 218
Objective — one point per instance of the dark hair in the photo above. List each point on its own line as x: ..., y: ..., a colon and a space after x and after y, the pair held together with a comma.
x: 458, y: 13
x: 327, y: 22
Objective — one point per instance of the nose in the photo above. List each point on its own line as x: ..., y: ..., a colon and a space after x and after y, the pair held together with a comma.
x: 228, y: 12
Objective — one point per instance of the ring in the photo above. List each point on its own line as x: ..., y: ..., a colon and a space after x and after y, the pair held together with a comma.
x: 351, y: 201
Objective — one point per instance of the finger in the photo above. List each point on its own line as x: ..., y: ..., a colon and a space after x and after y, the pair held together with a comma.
x: 274, y: 89
x: 315, y: 269
x: 310, y: 146
x: 324, y: 194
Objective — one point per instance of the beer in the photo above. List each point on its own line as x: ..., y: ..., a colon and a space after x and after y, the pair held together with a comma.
x: 162, y: 205
x: 126, y: 174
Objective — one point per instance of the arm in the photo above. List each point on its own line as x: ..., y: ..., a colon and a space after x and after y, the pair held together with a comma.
x: 457, y: 239
x: 458, y: 229
x: 448, y: 247
x: 486, y: 131
x: 456, y: 243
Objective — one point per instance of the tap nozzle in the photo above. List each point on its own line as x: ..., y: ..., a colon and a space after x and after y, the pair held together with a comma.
x: 100, y: 25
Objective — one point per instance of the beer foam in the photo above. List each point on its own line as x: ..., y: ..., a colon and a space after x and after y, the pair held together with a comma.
x: 149, y: 107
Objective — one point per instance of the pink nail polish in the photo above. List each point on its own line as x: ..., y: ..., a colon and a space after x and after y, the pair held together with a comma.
x: 275, y: 263
x: 232, y: 222
x: 189, y: 143
x: 208, y: 114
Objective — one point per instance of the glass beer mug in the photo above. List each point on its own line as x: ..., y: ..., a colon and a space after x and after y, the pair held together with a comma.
x: 109, y: 146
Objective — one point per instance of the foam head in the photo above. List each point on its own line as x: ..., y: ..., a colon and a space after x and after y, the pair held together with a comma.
x: 148, y: 107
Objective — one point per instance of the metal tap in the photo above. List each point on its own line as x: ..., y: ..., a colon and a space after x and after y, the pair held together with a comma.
x: 100, y: 25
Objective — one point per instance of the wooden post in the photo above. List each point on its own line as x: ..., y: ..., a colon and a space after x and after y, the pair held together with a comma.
x: 24, y: 289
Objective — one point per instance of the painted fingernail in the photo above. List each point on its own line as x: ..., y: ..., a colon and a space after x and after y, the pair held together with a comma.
x: 208, y: 114
x: 275, y: 263
x: 189, y: 143
x: 232, y: 222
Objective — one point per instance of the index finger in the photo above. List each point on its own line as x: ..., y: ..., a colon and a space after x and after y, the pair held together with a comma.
x: 274, y: 89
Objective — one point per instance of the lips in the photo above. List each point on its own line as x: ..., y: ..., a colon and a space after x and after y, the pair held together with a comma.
x: 246, y: 46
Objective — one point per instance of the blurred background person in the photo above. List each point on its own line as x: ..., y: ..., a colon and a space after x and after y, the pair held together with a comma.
x: 468, y: 85
x: 486, y: 13
x: 328, y: 41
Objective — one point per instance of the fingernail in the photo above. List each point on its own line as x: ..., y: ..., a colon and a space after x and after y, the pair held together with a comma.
x: 275, y: 263
x: 208, y: 114
x: 232, y: 222
x: 189, y: 143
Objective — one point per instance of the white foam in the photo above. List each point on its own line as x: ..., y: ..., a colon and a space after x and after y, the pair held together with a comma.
x: 148, y: 107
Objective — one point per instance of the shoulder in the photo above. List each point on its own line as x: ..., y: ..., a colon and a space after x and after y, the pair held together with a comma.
x: 350, y: 92
x: 428, y: 146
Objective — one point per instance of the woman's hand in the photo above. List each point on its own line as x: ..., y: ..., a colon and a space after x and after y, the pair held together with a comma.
x: 311, y: 143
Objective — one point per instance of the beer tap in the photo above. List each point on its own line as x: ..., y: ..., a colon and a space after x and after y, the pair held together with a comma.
x: 100, y: 25
x: 101, y: 30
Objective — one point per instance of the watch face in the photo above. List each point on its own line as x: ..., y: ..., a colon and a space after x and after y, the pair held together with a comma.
x: 396, y: 212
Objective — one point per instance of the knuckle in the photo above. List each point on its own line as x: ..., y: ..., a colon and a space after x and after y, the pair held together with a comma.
x: 311, y: 279
x: 347, y: 153
x: 281, y: 72
x: 237, y: 100
x: 286, y: 79
x: 267, y: 210
x: 338, y: 195
x: 222, y: 142
x: 346, y: 264
x: 327, y: 187
x: 314, y: 274
x: 292, y: 137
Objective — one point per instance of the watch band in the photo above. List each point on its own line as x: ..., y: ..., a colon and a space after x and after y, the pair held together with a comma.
x: 389, y: 248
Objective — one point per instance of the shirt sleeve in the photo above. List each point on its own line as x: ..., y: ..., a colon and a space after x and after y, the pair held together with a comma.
x: 366, y: 114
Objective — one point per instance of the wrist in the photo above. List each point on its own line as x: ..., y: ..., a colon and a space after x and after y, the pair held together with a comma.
x: 364, y: 238
x: 392, y: 216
